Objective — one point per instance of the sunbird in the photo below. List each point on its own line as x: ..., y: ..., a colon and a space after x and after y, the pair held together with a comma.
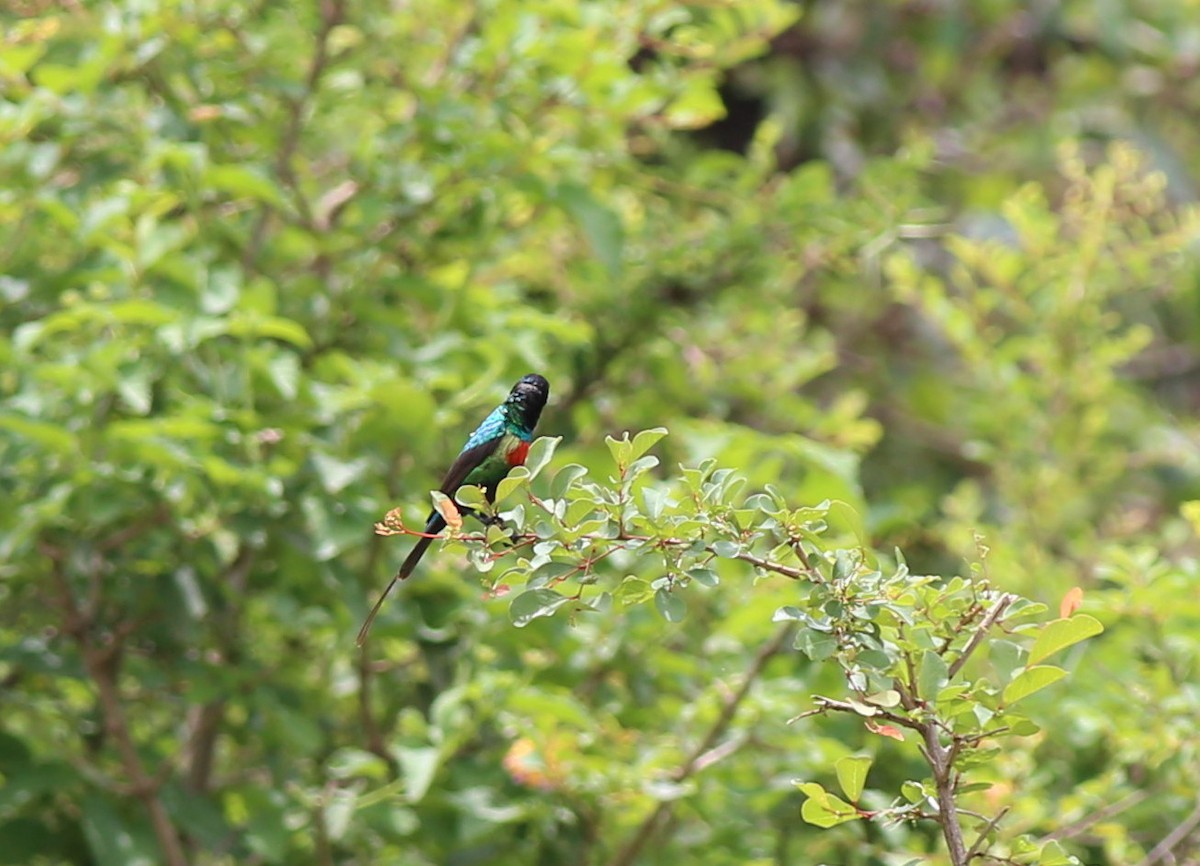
x: 497, y: 445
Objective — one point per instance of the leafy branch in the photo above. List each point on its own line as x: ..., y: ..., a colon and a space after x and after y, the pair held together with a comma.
x: 904, y: 643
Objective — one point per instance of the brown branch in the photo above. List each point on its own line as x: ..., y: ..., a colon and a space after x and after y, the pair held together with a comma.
x: 102, y: 660
x: 103, y: 666
x: 846, y: 707
x: 977, y: 848
x: 993, y: 616
x: 702, y: 755
x: 142, y: 524
x: 1162, y: 851
x: 943, y: 780
x: 769, y: 565
x: 332, y: 14
x: 1103, y: 814
x: 204, y: 721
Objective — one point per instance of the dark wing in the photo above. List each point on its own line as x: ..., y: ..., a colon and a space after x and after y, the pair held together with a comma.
x: 469, y: 459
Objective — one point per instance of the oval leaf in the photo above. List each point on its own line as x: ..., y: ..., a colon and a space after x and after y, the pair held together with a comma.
x: 565, y: 478
x: 534, y: 603
x: 645, y: 440
x: 671, y: 606
x: 471, y: 496
x: 540, y: 453
x: 823, y: 809
x: 933, y: 674
x: 1032, y: 680
x: 1062, y: 633
x: 852, y: 775
x: 1070, y: 602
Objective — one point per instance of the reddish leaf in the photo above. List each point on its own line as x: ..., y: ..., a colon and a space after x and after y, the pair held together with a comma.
x: 885, y: 731
x: 445, y: 506
x: 1070, y: 602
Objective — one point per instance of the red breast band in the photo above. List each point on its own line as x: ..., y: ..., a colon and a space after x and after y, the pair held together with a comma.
x: 516, y: 457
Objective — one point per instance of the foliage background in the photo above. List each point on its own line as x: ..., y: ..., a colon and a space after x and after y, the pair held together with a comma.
x: 264, y: 264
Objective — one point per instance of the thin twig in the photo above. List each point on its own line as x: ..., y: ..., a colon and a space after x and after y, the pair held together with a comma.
x: 1163, y: 849
x: 768, y: 565
x: 123, y: 536
x: 102, y: 661
x: 632, y: 848
x: 983, y: 834
x: 332, y: 14
x: 993, y: 616
x: 1103, y: 814
x: 824, y: 703
x: 103, y: 670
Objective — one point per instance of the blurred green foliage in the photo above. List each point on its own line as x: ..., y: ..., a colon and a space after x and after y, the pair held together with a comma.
x: 263, y: 265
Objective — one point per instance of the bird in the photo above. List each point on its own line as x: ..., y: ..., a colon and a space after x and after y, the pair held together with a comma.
x: 498, y: 444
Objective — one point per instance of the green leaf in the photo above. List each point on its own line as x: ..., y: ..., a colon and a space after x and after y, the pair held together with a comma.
x: 654, y: 499
x: 704, y: 576
x: 843, y: 513
x: 670, y: 605
x: 642, y: 464
x: 852, y: 775
x: 114, y: 841
x: 337, y: 474
x: 565, y: 478
x: 1062, y: 633
x: 390, y: 791
x: 534, y: 603
x: 552, y: 570
x: 1005, y: 657
x: 348, y: 762
x: 817, y: 645
x: 472, y: 496
x: 698, y: 105
x: 914, y: 792
x: 1052, y: 854
x: 620, y: 449
x: 600, y: 225
x: 272, y: 327
x: 43, y: 433
x: 243, y: 181
x: 823, y: 809
x: 540, y: 453
x: 418, y: 766
x: 726, y: 549
x: 339, y: 809
x: 516, y: 479
x: 645, y: 440
x: 887, y: 698
x: 633, y: 590
x: 932, y: 674
x: 1031, y: 680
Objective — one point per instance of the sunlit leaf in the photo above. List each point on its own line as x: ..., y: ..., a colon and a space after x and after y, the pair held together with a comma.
x: 1031, y: 680
x: 1062, y: 633
x: 852, y: 775
x: 823, y: 809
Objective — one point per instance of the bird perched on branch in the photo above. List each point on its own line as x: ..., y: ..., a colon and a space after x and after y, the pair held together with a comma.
x: 497, y: 445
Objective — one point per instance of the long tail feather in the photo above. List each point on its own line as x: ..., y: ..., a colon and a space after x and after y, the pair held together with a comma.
x: 434, y: 525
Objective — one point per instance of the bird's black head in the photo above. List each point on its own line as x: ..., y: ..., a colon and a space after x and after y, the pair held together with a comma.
x: 529, y: 396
